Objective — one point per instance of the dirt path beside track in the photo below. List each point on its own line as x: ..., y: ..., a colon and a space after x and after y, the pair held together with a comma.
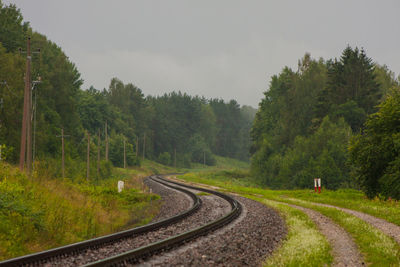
x: 344, y: 250
x: 386, y: 227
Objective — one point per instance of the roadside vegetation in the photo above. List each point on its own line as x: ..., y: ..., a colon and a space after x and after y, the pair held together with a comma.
x: 238, y: 180
x: 377, y: 248
x: 40, y: 213
x: 335, y: 119
x: 304, y: 245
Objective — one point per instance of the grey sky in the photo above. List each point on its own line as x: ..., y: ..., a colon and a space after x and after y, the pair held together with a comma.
x: 214, y: 48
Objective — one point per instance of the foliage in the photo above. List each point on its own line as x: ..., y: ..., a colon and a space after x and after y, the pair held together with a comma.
x: 352, y: 78
x: 5, y: 152
x: 174, y: 123
x: 375, y: 153
x: 322, y: 154
x: 377, y: 248
x: 301, y: 130
x: 41, y: 213
x: 346, y: 198
x: 165, y: 158
x: 13, y: 29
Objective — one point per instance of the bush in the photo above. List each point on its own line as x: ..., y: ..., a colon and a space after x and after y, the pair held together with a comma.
x: 322, y: 154
x: 6, y: 152
x: 164, y: 158
x: 375, y: 154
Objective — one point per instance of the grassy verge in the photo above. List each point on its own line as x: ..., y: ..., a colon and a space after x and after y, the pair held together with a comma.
x: 347, y: 198
x: 222, y: 163
x: 41, y: 213
x: 377, y: 248
x: 45, y: 211
x: 351, y: 199
x: 304, y: 245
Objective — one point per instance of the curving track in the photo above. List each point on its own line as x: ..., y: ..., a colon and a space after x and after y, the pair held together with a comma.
x: 137, y: 254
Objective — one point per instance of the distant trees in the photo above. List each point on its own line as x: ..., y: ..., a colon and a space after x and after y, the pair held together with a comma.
x: 192, y: 129
x: 351, y: 90
x: 307, y: 117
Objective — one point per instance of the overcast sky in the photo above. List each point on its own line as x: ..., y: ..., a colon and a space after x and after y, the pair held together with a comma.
x: 214, y: 48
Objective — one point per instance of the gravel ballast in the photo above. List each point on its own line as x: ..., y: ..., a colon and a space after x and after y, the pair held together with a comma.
x: 175, y: 202
x: 245, y: 242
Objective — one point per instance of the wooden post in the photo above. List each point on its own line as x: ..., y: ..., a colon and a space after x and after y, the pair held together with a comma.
x: 144, y: 145
x: 175, y: 157
x: 124, y: 154
x: 62, y: 151
x: 26, y: 114
x: 88, y: 157
x: 98, y: 155
x: 106, y: 142
x: 137, y: 146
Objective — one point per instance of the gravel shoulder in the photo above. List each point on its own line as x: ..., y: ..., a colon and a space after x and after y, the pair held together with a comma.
x: 344, y: 250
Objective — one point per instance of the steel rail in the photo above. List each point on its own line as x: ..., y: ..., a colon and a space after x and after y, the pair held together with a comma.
x: 135, y: 255
x: 44, y: 256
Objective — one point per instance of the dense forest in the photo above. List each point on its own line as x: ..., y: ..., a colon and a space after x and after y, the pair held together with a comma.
x: 173, y: 128
x: 335, y: 119
x: 330, y: 119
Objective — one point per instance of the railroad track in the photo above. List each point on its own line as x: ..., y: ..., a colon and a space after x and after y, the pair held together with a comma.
x: 136, y: 255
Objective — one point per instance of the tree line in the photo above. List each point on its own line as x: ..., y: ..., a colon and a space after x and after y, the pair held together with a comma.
x: 332, y: 119
x: 173, y: 128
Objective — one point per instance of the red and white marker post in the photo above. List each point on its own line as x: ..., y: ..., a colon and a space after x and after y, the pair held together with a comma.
x: 317, y: 184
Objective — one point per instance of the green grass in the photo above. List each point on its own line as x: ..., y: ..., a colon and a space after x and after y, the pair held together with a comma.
x: 377, y: 248
x: 41, y: 213
x: 304, y: 245
x: 352, y: 199
x: 46, y: 211
x: 346, y: 198
x: 222, y: 163
x: 203, y: 194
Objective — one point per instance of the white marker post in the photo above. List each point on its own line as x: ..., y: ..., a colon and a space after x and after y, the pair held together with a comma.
x: 319, y: 185
x: 120, y: 186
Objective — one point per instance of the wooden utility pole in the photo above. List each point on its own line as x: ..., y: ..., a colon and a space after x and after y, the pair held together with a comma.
x: 62, y: 152
x: 88, y: 157
x: 175, y: 157
x: 124, y: 154
x: 137, y: 146
x: 26, y: 115
x: 106, y: 142
x: 26, y: 131
x: 62, y: 157
x: 144, y: 145
x: 98, y: 155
